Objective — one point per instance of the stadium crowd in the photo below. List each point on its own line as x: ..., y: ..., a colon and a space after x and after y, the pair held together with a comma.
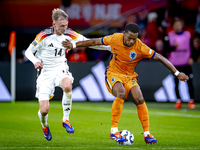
x: 155, y: 25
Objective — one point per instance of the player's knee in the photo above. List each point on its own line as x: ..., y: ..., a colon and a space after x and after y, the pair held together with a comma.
x: 44, y: 103
x: 139, y: 100
x: 44, y: 110
x: 66, y: 85
x: 121, y: 95
x: 67, y: 88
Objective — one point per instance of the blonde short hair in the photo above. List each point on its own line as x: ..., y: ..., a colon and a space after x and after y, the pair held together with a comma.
x: 57, y: 13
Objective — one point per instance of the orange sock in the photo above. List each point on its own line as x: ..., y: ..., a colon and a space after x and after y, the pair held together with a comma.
x: 143, y: 115
x: 117, y: 107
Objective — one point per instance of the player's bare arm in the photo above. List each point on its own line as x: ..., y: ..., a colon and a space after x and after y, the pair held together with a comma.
x: 91, y: 42
x: 169, y: 65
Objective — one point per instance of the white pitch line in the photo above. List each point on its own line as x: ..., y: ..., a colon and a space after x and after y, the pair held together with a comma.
x: 135, y: 112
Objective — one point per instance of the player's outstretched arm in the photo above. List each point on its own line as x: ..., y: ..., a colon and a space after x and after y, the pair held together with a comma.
x: 91, y: 42
x: 170, y: 66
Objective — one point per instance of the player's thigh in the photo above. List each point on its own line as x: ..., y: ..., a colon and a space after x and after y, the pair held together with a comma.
x: 118, y: 90
x: 114, y: 83
x: 64, y: 80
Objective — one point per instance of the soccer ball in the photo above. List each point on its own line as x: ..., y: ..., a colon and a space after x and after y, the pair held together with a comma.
x: 129, y: 137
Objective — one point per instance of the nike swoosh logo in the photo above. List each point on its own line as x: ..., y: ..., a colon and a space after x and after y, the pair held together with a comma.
x: 115, y: 49
x: 117, y: 136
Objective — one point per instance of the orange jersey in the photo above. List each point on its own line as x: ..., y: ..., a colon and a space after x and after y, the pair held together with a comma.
x: 125, y: 59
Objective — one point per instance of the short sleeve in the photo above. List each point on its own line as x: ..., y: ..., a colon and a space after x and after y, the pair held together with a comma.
x: 106, y: 40
x: 147, y: 51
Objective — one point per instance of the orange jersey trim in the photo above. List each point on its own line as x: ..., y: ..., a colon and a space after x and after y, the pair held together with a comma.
x: 40, y: 37
x: 74, y: 35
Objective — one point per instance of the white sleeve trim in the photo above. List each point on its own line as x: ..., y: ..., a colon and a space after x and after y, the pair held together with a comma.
x: 97, y: 47
x: 74, y: 44
x: 101, y: 47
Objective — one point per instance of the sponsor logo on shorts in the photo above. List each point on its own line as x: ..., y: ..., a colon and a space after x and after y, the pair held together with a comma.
x: 133, y: 82
x: 113, y: 79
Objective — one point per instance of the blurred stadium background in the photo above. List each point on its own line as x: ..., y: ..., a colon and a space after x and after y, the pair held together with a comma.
x: 95, y: 18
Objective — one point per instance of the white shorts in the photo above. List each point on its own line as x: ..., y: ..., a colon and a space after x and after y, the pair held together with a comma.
x: 49, y: 79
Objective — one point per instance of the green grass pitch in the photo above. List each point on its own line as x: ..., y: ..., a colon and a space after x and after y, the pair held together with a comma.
x: 174, y: 129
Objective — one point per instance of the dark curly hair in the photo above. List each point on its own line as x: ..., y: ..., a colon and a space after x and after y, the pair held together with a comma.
x: 132, y: 27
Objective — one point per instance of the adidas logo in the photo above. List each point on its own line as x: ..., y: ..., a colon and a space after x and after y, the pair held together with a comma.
x: 4, y: 94
x: 67, y: 109
x: 94, y: 89
x: 50, y: 45
x: 167, y: 91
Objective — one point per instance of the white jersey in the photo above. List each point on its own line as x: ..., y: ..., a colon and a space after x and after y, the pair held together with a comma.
x: 47, y: 47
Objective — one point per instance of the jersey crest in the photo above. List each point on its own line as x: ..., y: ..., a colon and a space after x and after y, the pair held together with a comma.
x: 132, y: 55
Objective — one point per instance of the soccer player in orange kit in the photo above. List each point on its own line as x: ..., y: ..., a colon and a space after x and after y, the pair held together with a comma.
x: 121, y: 80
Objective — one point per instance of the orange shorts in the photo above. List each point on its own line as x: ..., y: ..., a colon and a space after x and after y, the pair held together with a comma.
x: 128, y: 81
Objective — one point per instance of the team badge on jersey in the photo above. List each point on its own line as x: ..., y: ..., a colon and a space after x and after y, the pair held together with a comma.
x: 132, y: 55
x: 34, y: 43
x: 113, y: 79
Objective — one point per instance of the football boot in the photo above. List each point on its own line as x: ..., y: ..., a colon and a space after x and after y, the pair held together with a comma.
x: 47, y: 133
x: 191, y: 105
x: 149, y: 139
x: 67, y: 125
x: 117, y: 137
x: 178, y: 105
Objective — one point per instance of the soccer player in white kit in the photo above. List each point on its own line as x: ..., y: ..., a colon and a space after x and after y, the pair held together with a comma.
x: 48, y: 56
